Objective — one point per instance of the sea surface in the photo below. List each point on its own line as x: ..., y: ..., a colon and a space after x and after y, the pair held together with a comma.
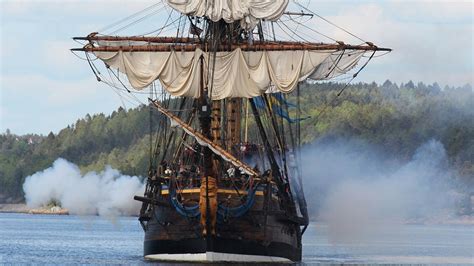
x: 41, y: 239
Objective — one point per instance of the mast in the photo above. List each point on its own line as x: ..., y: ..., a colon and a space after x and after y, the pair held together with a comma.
x: 207, y: 161
x: 233, y: 114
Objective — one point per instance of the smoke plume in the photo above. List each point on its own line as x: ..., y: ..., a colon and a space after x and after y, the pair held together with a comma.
x: 360, y: 192
x: 107, y: 193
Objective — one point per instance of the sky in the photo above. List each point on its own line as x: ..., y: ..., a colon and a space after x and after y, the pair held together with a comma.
x: 44, y: 87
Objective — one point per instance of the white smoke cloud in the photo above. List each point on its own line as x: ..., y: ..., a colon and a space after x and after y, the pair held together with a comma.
x: 361, y: 193
x: 107, y: 193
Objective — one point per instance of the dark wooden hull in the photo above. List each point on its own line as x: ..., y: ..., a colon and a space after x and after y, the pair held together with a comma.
x: 251, y: 237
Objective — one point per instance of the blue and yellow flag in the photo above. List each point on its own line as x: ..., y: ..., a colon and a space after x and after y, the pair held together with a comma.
x: 278, y: 103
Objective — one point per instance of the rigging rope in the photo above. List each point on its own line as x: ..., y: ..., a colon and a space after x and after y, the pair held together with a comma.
x: 335, y: 64
x: 321, y: 17
x: 313, y: 30
x: 137, y: 21
x: 294, y: 33
x: 100, y: 78
x: 129, y: 17
x: 160, y: 30
x: 342, y: 90
x: 291, y: 37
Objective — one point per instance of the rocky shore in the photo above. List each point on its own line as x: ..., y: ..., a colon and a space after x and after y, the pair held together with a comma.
x: 22, y: 208
x: 14, y: 207
x: 55, y: 210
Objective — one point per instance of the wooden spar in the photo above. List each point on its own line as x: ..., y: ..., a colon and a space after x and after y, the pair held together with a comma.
x: 298, y: 14
x: 148, y: 39
x: 258, y: 46
x: 214, y: 147
x: 170, y: 40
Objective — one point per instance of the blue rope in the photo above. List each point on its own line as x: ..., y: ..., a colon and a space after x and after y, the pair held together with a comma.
x: 191, y: 211
x: 223, y: 213
x: 226, y: 212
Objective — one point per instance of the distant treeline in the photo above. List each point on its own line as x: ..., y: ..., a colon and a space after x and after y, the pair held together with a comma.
x: 397, y: 118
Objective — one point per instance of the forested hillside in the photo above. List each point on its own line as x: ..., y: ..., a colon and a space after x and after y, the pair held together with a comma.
x: 397, y: 118
x: 120, y: 140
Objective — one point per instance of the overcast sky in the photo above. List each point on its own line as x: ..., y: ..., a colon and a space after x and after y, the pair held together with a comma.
x: 44, y: 87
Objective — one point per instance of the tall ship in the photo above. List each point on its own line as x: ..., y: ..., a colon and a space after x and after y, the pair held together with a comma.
x: 224, y: 178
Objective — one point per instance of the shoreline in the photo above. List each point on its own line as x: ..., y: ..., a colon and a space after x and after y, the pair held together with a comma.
x: 14, y: 208
x: 23, y: 208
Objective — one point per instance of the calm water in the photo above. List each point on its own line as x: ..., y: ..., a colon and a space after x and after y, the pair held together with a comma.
x: 72, y: 239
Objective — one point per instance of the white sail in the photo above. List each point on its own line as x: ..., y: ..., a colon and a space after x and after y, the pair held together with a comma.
x: 248, y: 12
x: 336, y: 64
x: 237, y: 73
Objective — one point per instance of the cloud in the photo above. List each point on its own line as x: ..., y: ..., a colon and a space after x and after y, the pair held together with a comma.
x: 22, y: 7
x: 40, y: 104
x: 15, y: 7
x: 424, y: 42
x: 431, y: 42
x: 58, y: 57
x: 89, y: 15
x: 24, y: 24
x: 48, y: 91
x: 44, y: 86
x: 437, y: 11
x: 35, y: 101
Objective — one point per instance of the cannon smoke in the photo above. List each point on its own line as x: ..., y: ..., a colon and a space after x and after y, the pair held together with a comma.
x: 107, y: 193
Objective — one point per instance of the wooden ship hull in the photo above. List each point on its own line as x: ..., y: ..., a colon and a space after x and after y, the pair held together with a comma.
x: 246, y: 219
x: 254, y: 237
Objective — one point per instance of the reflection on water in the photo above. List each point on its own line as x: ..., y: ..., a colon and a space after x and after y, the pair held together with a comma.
x: 71, y: 239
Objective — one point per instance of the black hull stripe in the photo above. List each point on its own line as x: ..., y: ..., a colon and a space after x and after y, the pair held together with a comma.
x: 221, y: 245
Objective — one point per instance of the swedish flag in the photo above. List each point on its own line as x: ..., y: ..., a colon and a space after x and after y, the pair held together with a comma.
x: 278, y: 104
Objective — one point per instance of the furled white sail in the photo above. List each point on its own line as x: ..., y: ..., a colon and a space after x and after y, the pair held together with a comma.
x: 236, y: 73
x: 336, y: 64
x: 248, y: 12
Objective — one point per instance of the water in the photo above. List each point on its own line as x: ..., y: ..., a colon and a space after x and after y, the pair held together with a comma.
x: 404, y: 244
x: 43, y: 239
